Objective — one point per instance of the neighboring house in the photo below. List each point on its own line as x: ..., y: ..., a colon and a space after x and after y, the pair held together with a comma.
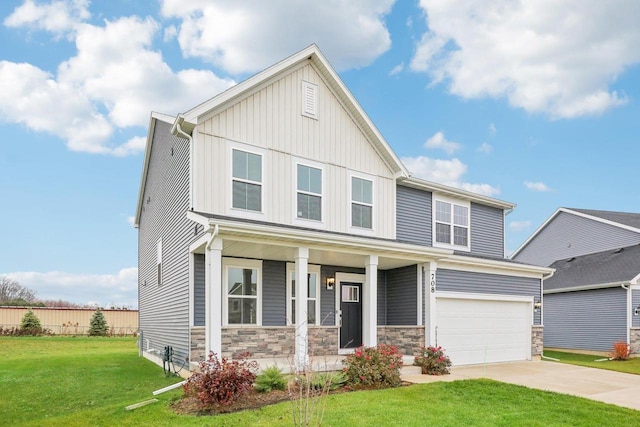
x: 275, y: 218
x: 593, y: 300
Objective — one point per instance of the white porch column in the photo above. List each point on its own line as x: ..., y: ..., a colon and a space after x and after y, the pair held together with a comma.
x: 430, y: 303
x: 370, y: 303
x: 301, y: 339
x: 213, y: 297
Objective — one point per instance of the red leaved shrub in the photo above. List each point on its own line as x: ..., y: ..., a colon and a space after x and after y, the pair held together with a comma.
x: 621, y: 351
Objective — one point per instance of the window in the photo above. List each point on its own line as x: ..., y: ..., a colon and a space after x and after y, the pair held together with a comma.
x: 242, y: 292
x: 309, y: 192
x: 159, y: 261
x: 361, y: 203
x: 452, y: 224
x: 313, y: 294
x: 247, y: 180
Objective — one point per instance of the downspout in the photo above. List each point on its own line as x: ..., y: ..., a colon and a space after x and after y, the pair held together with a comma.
x: 629, y: 319
x: 190, y: 139
x: 214, y: 233
x: 548, y: 276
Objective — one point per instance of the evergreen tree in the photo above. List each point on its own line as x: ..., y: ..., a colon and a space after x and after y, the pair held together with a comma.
x: 30, y: 324
x: 98, y: 325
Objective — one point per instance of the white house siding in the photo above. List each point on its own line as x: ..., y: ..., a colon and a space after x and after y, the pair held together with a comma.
x: 270, y: 118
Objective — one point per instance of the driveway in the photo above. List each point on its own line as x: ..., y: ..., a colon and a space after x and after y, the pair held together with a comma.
x: 596, y: 384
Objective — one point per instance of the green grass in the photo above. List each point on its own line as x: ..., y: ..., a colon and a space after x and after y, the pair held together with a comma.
x: 88, y: 381
x: 630, y: 366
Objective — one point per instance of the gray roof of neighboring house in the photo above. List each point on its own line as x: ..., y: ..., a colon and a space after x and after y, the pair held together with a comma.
x: 617, y: 265
x: 625, y: 218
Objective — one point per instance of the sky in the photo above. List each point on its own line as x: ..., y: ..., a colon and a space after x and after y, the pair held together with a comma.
x: 536, y: 102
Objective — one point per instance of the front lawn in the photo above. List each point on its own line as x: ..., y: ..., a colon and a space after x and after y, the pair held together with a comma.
x: 630, y: 366
x: 88, y: 381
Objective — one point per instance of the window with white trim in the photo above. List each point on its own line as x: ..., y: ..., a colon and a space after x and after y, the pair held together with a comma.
x: 309, y: 192
x: 361, y: 202
x: 247, y: 180
x: 242, y: 292
x: 313, y: 294
x: 451, y: 224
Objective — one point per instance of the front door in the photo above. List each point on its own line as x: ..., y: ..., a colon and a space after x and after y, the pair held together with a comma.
x: 351, y: 308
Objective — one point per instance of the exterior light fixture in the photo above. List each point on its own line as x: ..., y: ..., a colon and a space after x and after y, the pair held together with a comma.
x: 537, y: 305
x: 331, y: 281
x: 636, y: 312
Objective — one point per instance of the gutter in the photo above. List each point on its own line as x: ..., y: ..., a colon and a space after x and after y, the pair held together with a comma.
x: 214, y: 233
x: 177, y: 130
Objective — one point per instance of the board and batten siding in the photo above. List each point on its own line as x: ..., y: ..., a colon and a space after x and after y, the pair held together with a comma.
x: 274, y: 293
x: 585, y: 320
x: 199, y: 293
x: 487, y: 283
x: 569, y: 235
x: 270, y: 118
x: 164, y: 309
x: 487, y: 230
x: 635, y: 303
x: 402, y: 296
x: 413, y: 216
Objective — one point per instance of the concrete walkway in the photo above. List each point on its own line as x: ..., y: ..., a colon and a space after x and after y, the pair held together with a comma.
x: 596, y: 384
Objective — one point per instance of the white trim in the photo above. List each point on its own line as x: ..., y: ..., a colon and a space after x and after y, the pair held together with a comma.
x: 435, y: 198
x: 374, y: 187
x: 629, y: 313
x: 503, y: 268
x: 486, y: 297
x: 200, y: 242
x: 585, y: 287
x: 241, y: 263
x: 306, y: 86
x: 252, y: 149
x: 306, y: 222
x: 191, y: 292
x: 419, y: 294
x: 311, y: 269
x: 635, y: 280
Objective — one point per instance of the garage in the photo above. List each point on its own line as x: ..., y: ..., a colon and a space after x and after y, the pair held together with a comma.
x: 484, y: 329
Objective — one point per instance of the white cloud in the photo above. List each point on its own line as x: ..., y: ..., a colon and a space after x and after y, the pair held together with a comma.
x: 492, y: 130
x: 248, y: 36
x: 60, y: 17
x: 519, y: 225
x: 557, y: 58
x: 397, y: 69
x: 485, y: 148
x: 537, y: 186
x: 120, y: 288
x: 447, y: 172
x: 113, y: 82
x: 439, y: 141
x: 131, y: 220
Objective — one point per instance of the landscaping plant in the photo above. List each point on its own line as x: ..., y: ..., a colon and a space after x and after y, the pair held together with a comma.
x: 222, y: 381
x: 621, y: 351
x: 373, y: 367
x: 98, y: 325
x: 270, y: 379
x: 433, y: 361
x: 30, y: 324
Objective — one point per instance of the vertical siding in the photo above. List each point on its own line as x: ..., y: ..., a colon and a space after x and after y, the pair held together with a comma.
x: 568, y: 235
x: 274, y: 293
x: 585, y: 320
x: 485, y: 283
x: 413, y: 216
x: 635, y: 303
x: 402, y: 296
x: 382, y: 298
x: 164, y: 310
x: 487, y: 230
x: 327, y: 297
x: 199, y: 297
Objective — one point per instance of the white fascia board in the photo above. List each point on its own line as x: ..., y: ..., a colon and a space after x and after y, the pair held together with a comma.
x: 635, y: 280
x: 468, y: 263
x: 538, y: 230
x: 434, y: 187
x: 585, y: 287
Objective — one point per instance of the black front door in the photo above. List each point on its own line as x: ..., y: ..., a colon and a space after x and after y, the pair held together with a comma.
x: 351, y: 307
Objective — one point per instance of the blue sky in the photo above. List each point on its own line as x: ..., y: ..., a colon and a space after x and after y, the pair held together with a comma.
x: 534, y: 102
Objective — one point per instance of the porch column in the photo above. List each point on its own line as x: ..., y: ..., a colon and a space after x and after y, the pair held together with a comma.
x: 370, y: 303
x: 429, y: 296
x: 213, y: 296
x: 301, y: 340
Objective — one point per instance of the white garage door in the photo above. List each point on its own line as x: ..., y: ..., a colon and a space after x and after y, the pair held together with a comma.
x: 484, y: 331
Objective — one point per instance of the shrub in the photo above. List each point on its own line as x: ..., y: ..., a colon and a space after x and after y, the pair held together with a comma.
x: 270, y: 379
x: 373, y: 366
x: 621, y: 351
x: 98, y: 325
x: 433, y: 361
x: 30, y: 324
x: 328, y: 380
x: 221, y: 381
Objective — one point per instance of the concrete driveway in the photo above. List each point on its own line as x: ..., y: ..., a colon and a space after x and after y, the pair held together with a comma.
x: 596, y: 384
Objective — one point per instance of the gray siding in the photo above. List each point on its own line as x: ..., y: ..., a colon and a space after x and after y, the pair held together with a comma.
x: 569, y: 235
x: 413, y: 216
x: 199, y: 305
x: 585, y: 320
x: 635, y: 303
x: 274, y: 293
x: 485, y: 283
x: 164, y: 310
x: 487, y: 230
x: 402, y: 296
x: 382, y: 297
x: 327, y: 297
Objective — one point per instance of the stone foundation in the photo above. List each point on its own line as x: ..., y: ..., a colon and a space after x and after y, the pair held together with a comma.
x: 323, y: 340
x: 634, y: 341
x: 197, y: 352
x: 537, y: 335
x: 261, y: 341
x: 407, y: 339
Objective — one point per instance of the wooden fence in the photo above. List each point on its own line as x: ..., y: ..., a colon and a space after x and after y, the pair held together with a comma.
x: 71, y: 321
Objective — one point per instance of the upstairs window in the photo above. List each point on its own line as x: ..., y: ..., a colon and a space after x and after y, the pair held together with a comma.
x: 452, y: 224
x: 247, y: 180
x: 309, y: 192
x: 361, y: 203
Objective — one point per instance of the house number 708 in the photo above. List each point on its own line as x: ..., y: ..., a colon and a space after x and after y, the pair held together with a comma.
x: 432, y: 285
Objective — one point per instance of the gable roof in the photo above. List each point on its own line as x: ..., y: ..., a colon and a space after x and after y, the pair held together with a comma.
x: 601, y: 269
x: 188, y: 120
x: 624, y: 220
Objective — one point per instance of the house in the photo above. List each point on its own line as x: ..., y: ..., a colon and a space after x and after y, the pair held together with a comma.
x: 275, y: 218
x: 593, y: 299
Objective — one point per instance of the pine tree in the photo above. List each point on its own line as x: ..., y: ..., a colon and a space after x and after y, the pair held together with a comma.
x: 98, y: 325
x: 31, y: 324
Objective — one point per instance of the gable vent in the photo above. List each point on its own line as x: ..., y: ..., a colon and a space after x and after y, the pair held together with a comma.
x: 309, y: 100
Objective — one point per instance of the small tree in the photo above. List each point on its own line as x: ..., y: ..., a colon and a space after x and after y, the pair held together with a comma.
x: 98, y: 325
x: 30, y: 324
